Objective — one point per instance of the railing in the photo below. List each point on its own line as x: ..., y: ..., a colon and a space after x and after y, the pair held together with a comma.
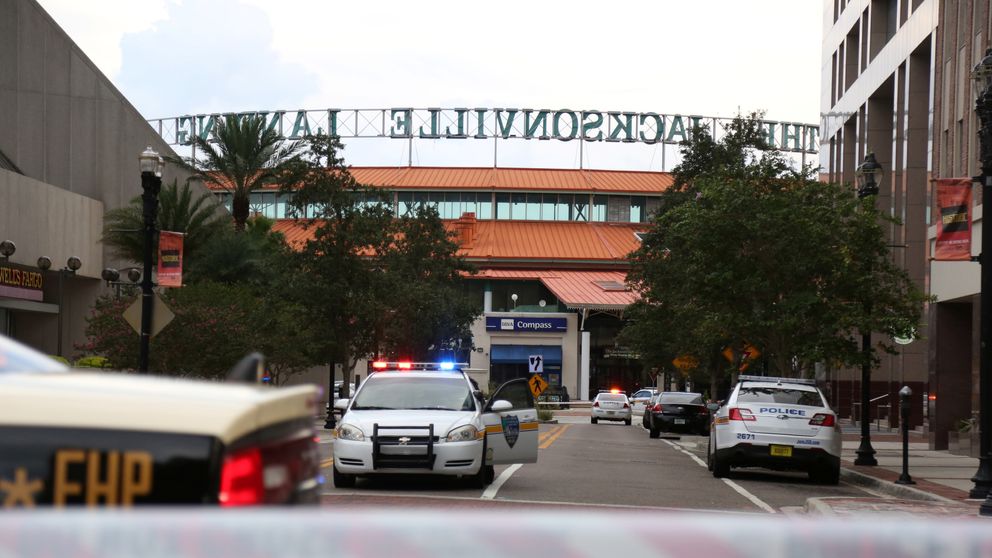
x: 856, y: 409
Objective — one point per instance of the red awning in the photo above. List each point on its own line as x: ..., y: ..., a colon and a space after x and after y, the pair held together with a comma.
x: 592, y: 290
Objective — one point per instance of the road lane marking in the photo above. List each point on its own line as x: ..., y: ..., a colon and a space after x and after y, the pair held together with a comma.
x: 736, y: 487
x: 544, y: 435
x: 327, y: 463
x: 490, y: 492
x: 552, y: 438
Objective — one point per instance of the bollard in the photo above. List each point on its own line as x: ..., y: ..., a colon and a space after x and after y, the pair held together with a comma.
x: 904, y: 395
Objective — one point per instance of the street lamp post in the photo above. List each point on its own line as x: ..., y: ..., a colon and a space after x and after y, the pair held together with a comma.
x: 868, y: 173
x: 151, y: 183
x: 982, y: 76
x: 112, y: 277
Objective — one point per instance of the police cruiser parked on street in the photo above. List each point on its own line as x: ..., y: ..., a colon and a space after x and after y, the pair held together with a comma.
x: 777, y: 423
x: 427, y: 418
x: 98, y: 438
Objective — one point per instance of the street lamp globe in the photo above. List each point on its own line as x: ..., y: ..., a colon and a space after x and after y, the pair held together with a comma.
x: 149, y: 161
x: 73, y: 263
x: 44, y: 263
x: 134, y: 275
x: 7, y: 249
x: 110, y: 274
x: 869, y: 175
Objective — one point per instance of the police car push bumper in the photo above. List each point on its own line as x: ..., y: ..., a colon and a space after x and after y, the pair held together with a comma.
x: 407, y: 450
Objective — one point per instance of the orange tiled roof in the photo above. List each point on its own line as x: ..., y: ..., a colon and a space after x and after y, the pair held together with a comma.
x: 576, y: 289
x: 522, y: 241
x: 510, y: 179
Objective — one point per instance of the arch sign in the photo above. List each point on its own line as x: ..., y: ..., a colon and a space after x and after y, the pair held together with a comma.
x: 490, y: 123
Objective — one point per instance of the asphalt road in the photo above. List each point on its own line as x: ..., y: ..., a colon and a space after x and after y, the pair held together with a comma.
x: 607, y: 465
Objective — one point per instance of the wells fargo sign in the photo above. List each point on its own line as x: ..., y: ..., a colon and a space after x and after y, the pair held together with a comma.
x: 491, y: 123
x: 20, y: 282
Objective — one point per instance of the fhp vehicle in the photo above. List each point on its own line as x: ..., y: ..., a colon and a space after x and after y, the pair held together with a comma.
x: 428, y: 418
x: 777, y: 423
x: 611, y: 405
x: 113, y: 439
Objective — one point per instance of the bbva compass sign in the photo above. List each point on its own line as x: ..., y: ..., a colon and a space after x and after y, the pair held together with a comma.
x: 490, y: 123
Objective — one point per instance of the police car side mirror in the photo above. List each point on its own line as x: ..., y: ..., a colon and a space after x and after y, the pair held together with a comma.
x: 250, y: 369
x: 341, y: 404
x: 500, y: 406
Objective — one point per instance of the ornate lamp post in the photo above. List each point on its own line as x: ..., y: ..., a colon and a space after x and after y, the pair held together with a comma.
x: 869, y: 173
x: 982, y: 76
x: 151, y: 183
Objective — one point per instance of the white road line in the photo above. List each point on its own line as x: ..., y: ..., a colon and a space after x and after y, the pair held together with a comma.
x: 490, y: 492
x: 737, y: 488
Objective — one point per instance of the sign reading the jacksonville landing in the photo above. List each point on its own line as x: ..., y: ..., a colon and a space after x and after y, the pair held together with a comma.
x: 488, y: 123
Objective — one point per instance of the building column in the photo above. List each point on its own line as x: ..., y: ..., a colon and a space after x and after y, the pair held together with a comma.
x: 487, y: 298
x: 584, y: 367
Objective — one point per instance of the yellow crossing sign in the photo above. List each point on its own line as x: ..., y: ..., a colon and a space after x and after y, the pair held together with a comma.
x: 537, y: 385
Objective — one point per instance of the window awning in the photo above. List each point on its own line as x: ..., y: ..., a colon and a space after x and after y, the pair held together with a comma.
x: 580, y: 290
x: 518, y: 354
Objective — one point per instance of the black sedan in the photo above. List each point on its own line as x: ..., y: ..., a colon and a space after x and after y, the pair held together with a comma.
x: 678, y: 411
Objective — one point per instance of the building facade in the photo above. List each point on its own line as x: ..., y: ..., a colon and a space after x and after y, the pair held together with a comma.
x: 897, y: 81
x: 877, y: 96
x: 69, y: 146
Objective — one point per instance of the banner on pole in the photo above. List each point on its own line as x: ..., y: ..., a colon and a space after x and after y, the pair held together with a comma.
x: 954, y: 222
x: 170, y: 259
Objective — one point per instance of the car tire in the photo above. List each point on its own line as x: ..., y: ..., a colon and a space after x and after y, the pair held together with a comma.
x: 825, y: 474
x: 342, y: 480
x: 719, y: 467
x: 627, y: 422
x: 594, y: 420
x: 654, y: 433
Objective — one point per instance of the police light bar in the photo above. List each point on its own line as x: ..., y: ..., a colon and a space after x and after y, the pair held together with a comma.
x: 428, y: 366
x: 776, y: 380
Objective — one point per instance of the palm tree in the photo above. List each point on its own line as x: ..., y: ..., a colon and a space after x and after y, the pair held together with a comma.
x: 199, y: 219
x: 243, y: 156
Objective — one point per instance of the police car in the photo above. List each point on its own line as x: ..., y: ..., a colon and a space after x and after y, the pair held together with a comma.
x: 427, y: 418
x: 111, y: 439
x: 776, y: 423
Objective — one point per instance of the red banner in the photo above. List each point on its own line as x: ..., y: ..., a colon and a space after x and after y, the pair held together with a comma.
x: 954, y: 219
x: 170, y: 259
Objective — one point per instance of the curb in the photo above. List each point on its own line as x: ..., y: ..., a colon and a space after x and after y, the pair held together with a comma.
x: 552, y: 421
x: 887, y: 487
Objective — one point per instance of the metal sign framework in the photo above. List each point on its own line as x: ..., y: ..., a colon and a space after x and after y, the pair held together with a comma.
x: 490, y: 123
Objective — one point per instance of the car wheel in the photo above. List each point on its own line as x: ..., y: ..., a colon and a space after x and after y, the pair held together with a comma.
x: 341, y: 480
x: 627, y: 422
x: 484, y: 477
x: 719, y: 467
x: 654, y: 433
x: 595, y: 420
x: 825, y: 474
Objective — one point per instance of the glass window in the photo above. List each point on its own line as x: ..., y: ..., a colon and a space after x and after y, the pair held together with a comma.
x: 405, y: 200
x: 281, y: 204
x: 598, y: 208
x: 485, y: 207
x: 469, y: 204
x: 517, y: 393
x: 580, y: 208
x: 396, y: 391
x: 548, y: 202
x: 563, y: 207
x: 451, y: 207
x: 681, y: 398
x: 420, y: 200
x: 785, y: 396
x: 618, y: 209
x: 502, y: 206
x: 518, y: 207
x: 637, y: 209
x: 533, y: 207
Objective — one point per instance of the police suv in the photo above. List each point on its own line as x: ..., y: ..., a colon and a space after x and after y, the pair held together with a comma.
x: 776, y: 423
x: 429, y: 418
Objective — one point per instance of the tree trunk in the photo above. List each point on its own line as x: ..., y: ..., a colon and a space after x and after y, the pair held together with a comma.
x: 240, y: 205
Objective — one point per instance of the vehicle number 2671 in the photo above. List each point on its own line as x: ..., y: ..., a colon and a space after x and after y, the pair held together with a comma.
x: 745, y: 436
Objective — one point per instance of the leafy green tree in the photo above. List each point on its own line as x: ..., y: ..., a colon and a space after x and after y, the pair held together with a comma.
x: 243, y: 155
x: 199, y: 218
x: 256, y: 257
x: 747, y: 250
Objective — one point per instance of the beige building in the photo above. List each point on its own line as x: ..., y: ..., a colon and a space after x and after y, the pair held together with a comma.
x: 69, y: 146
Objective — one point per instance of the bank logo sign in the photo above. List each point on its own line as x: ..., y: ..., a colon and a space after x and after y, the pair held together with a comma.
x: 487, y: 123
x: 539, y: 325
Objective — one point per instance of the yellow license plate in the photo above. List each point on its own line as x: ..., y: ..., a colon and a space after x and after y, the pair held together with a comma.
x: 781, y: 451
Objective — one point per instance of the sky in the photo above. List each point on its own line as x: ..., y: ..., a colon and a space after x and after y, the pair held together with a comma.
x: 704, y: 57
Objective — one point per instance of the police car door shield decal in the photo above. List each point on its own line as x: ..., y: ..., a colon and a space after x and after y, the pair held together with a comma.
x: 511, y: 429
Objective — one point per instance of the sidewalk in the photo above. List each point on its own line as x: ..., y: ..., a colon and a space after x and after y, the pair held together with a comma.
x: 942, y: 479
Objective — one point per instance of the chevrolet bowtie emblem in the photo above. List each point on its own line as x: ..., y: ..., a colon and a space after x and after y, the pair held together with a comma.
x: 404, y: 441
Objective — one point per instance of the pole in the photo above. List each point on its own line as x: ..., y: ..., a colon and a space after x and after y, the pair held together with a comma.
x: 61, y: 310
x: 329, y: 421
x: 904, y: 394
x: 983, y: 477
x: 150, y: 186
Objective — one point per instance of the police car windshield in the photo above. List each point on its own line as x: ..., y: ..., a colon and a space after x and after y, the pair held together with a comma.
x: 18, y: 358
x: 399, y: 391
x: 787, y: 396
